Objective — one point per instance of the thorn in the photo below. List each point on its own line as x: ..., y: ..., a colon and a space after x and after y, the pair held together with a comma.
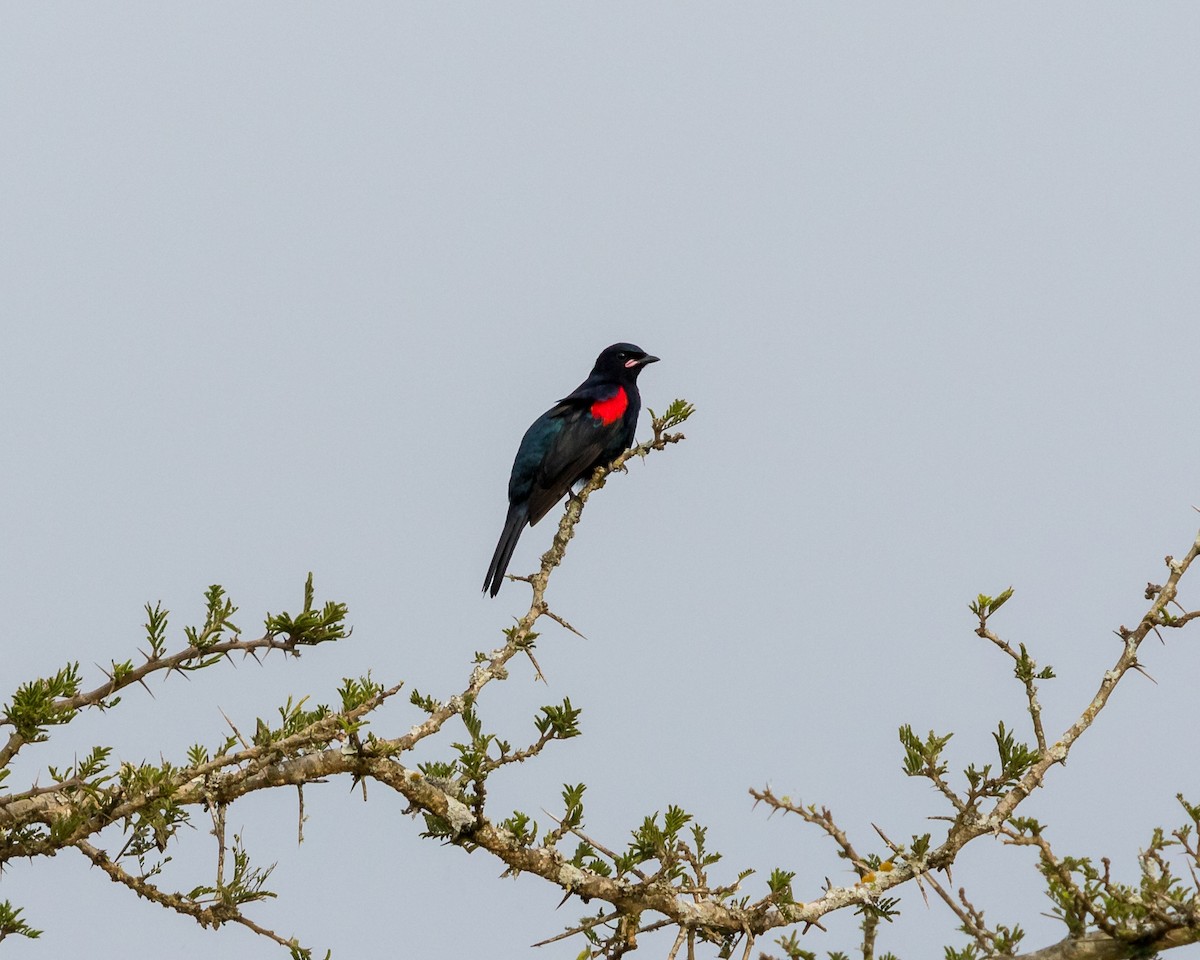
x: 536, y: 666
x: 546, y: 611
x: 236, y: 732
x: 1142, y: 670
x: 921, y: 887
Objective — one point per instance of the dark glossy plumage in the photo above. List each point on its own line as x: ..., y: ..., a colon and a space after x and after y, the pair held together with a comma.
x: 587, y: 428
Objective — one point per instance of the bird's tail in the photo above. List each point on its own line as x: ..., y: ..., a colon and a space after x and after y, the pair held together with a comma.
x: 518, y: 516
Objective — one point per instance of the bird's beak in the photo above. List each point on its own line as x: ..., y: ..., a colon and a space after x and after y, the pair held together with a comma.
x: 645, y: 360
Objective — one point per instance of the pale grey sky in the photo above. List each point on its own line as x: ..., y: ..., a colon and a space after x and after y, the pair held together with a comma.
x: 282, y: 285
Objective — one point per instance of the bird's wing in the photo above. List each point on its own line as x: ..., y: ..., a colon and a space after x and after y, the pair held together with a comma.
x: 579, y: 442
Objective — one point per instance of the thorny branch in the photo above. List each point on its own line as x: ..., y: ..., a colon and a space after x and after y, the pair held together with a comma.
x: 182, y: 660
x: 330, y: 745
x: 971, y: 822
x: 42, y: 820
x: 1024, y: 670
x: 207, y: 916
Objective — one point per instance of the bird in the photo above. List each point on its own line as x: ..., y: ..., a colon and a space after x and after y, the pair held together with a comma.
x: 588, y: 428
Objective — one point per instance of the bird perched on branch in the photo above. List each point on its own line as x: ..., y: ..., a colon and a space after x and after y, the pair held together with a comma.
x: 588, y: 428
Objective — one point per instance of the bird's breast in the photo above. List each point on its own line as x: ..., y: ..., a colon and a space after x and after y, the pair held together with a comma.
x: 609, y: 410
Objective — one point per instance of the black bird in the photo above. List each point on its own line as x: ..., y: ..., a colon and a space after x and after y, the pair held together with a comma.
x: 587, y: 429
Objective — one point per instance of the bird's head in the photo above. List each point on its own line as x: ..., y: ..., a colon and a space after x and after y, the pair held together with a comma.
x: 622, y: 361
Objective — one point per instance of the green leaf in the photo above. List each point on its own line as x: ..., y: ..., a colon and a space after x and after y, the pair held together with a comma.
x: 218, y: 611
x: 11, y: 923
x: 311, y: 627
x: 780, y: 883
x: 562, y: 722
x: 984, y: 606
x: 676, y: 413
x: 1015, y: 757
x: 156, y: 630
x: 35, y: 705
x: 923, y: 758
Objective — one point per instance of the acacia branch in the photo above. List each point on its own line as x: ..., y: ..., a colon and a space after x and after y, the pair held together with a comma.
x: 1125, y: 662
x: 41, y: 821
x: 716, y: 917
x: 1024, y: 669
x: 188, y: 785
x: 1100, y: 946
x: 822, y: 818
x: 207, y: 916
x: 970, y: 824
x: 330, y: 747
x: 181, y: 660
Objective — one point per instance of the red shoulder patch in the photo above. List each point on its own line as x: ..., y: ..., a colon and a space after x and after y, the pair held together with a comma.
x: 611, y: 410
